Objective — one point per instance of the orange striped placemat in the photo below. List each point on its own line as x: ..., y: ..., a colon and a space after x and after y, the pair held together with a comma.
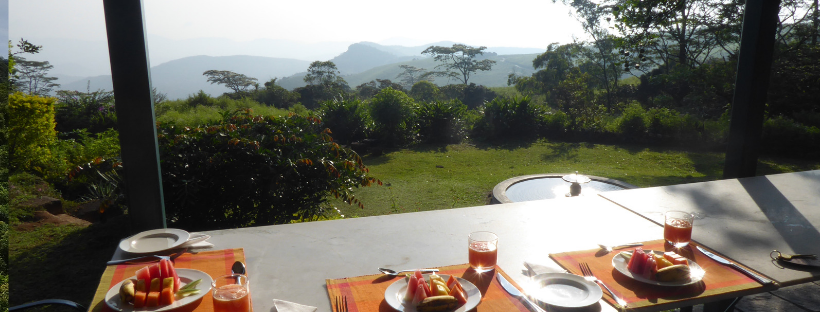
x: 216, y: 263
x: 719, y: 279
x: 366, y: 293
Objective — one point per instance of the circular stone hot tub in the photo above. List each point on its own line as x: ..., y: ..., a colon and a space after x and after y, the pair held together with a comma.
x: 550, y: 185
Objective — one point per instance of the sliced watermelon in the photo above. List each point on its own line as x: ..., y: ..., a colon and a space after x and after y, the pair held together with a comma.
x: 420, y: 293
x: 144, y: 274
x: 163, y: 269
x: 412, y: 285
x: 631, y: 264
x: 176, y: 277
x: 647, y: 270
x: 638, y: 259
x: 418, y: 275
x: 154, y: 271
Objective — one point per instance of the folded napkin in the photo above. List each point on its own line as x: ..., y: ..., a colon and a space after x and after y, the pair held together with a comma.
x: 535, y: 267
x: 197, y: 241
x: 287, y: 306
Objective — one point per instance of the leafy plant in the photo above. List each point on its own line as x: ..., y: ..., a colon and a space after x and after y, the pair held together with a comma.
x: 93, y: 111
x: 254, y: 170
x: 393, y: 114
x: 506, y: 119
x: 346, y: 118
x: 31, y: 131
x: 441, y: 122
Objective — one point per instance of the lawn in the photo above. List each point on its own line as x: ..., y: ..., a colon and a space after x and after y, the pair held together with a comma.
x: 439, y: 177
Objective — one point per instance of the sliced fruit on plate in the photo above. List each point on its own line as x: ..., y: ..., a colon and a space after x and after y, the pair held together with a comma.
x: 412, y: 285
x: 437, y: 303
x: 139, y: 298
x: 421, y: 294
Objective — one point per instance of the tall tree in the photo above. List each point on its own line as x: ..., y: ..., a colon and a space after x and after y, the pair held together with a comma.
x: 324, y: 73
x: 410, y: 75
x: 458, y: 62
x: 31, y: 77
x: 238, y: 83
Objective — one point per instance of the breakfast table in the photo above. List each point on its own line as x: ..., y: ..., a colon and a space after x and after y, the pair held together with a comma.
x: 312, y: 263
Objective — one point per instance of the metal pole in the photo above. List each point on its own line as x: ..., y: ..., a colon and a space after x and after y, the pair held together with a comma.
x: 751, y: 85
x: 130, y: 72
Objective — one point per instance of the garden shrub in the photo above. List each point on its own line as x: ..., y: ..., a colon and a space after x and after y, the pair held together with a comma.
x: 441, y: 122
x: 555, y: 124
x: 509, y: 119
x: 31, y: 131
x: 392, y: 112
x: 200, y: 99
x: 667, y: 124
x: 784, y: 136
x: 424, y: 91
x: 252, y: 170
x: 68, y: 155
x: 631, y: 125
x: 92, y: 111
x: 346, y: 119
x: 182, y: 113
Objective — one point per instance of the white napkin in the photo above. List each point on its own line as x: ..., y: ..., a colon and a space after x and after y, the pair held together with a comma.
x: 534, y: 268
x: 287, y: 306
x: 197, y: 240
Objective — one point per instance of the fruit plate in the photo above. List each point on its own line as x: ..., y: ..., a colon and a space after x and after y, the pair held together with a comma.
x: 394, y: 295
x: 154, y: 241
x: 564, y: 290
x: 620, y: 261
x: 112, y: 298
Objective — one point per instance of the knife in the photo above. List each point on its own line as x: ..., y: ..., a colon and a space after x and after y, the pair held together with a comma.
x: 516, y: 293
x: 720, y: 259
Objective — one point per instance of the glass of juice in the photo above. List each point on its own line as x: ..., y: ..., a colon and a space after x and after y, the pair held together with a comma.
x: 483, y: 248
x: 677, y: 228
x: 231, y: 294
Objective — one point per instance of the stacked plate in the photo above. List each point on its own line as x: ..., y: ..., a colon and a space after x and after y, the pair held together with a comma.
x: 159, y: 240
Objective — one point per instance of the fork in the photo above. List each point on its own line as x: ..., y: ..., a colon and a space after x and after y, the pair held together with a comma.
x: 591, y: 277
x: 341, y: 304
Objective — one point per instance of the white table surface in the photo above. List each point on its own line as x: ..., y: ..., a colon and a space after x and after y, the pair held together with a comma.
x: 744, y: 219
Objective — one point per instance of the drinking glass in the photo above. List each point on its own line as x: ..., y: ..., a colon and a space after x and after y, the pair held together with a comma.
x: 231, y: 293
x: 483, y: 251
x: 677, y: 228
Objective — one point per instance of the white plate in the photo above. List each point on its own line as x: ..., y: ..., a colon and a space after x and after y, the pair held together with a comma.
x: 112, y: 298
x: 154, y: 241
x: 394, y: 295
x: 564, y: 290
x: 696, y: 272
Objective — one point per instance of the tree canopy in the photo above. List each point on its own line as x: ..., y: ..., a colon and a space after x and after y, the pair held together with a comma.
x: 324, y: 73
x: 457, y: 62
x: 31, y: 77
x: 238, y: 83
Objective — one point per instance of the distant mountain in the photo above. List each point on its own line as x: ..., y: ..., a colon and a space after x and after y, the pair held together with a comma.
x: 360, y: 57
x: 182, y: 77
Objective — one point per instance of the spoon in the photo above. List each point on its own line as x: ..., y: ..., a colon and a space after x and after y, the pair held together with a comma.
x: 610, y: 248
x: 394, y: 273
x: 238, y: 268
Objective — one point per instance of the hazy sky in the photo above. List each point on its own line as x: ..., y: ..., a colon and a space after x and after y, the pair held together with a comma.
x: 511, y: 23
x: 4, y: 21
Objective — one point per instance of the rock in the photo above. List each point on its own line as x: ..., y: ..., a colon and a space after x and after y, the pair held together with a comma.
x: 89, y: 211
x: 53, y: 205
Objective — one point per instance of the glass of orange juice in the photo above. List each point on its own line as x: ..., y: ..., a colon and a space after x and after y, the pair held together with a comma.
x: 677, y: 228
x: 483, y: 251
x: 231, y: 293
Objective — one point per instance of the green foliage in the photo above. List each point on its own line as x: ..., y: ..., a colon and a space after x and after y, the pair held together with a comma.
x: 30, y: 77
x: 441, y: 122
x: 458, y: 62
x: 666, y: 124
x: 69, y: 155
x: 632, y: 122
x: 254, y: 170
x: 424, y: 91
x: 472, y: 95
x: 24, y: 187
x: 274, y: 95
x: 410, y: 75
x: 783, y: 135
x: 201, y: 108
x: 92, y: 111
x: 347, y: 119
x: 31, y: 131
x: 369, y: 89
x: 509, y: 119
x: 392, y: 112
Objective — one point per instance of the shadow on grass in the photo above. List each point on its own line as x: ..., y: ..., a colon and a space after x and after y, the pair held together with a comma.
x: 66, y: 261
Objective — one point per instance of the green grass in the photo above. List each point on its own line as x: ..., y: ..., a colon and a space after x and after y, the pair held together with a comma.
x: 413, y: 182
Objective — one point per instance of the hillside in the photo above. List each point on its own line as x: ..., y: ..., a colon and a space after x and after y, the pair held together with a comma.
x: 179, y: 78
x: 520, y: 64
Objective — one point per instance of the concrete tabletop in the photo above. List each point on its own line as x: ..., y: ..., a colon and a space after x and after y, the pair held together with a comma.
x: 744, y: 219
x: 291, y: 262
